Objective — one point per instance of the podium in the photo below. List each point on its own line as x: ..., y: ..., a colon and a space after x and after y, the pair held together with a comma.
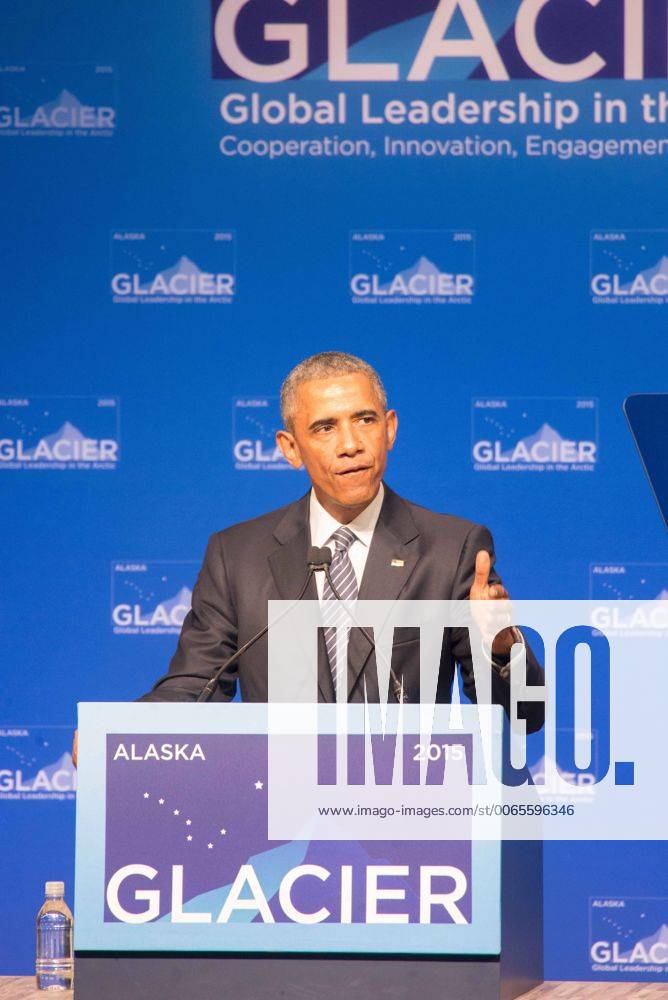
x: 179, y: 891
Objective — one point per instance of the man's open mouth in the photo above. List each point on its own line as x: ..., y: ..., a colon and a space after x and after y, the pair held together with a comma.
x: 357, y: 468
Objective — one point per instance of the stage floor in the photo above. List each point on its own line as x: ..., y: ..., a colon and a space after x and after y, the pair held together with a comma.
x: 23, y: 988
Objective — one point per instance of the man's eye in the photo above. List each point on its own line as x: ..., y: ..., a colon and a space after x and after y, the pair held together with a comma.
x: 324, y: 427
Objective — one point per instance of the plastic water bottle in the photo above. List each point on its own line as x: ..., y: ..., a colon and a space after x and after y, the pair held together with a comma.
x: 53, y: 965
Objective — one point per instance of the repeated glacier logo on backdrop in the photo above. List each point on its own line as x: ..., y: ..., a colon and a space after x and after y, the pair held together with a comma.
x: 57, y: 100
x: 173, y: 267
x: 415, y: 267
x: 65, y: 433
x: 255, y: 420
x: 36, y: 763
x: 644, y: 582
x: 149, y: 597
x: 629, y: 935
x: 629, y: 267
x: 534, y: 434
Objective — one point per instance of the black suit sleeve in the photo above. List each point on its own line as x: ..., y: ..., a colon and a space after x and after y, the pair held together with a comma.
x: 208, y: 636
x: 533, y: 712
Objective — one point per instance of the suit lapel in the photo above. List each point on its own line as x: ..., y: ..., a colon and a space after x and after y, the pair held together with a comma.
x: 288, y: 567
x: 288, y: 561
x: 396, y: 538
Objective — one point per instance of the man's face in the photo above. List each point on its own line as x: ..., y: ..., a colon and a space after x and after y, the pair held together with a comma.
x: 342, y: 436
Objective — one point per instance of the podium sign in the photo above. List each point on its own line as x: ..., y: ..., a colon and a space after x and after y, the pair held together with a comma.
x: 173, y: 855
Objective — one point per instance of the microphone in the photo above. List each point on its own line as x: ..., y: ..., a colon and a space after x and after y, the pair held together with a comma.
x: 319, y: 561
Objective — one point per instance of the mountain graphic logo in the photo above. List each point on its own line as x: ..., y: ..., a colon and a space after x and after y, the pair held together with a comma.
x: 62, y: 769
x: 431, y: 267
x: 421, y: 279
x: 68, y: 115
x: 646, y: 947
x: 86, y: 435
x: 660, y: 597
x: 546, y: 434
x: 172, y: 608
x: 69, y: 445
x: 652, y: 281
x: 151, y: 597
x: 546, y: 445
x: 67, y: 432
x: 629, y: 266
x: 184, y: 266
x: 54, y: 779
x: 65, y: 99
x: 632, y: 598
x: 650, y: 616
x: 184, y: 281
x: 629, y: 932
x: 566, y: 438
x: 423, y: 266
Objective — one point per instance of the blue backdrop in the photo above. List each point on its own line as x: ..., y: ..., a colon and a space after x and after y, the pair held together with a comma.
x: 167, y: 259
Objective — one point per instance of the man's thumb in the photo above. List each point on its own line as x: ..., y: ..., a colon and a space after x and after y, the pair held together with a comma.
x: 483, y: 566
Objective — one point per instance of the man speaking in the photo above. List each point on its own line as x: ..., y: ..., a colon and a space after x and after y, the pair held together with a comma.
x: 337, y: 425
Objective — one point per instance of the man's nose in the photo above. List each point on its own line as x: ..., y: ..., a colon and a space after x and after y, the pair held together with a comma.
x: 349, y: 441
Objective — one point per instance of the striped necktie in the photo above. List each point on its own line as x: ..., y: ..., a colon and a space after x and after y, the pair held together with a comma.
x: 334, y: 613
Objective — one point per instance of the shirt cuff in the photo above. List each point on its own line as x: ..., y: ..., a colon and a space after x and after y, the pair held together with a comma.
x: 502, y: 663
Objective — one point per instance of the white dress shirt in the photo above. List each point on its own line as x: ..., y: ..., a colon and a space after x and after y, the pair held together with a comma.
x: 323, y: 526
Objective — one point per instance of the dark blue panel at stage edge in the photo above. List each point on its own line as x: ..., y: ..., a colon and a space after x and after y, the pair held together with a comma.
x: 648, y: 419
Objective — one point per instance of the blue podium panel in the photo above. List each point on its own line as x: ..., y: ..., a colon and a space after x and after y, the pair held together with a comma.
x: 173, y: 853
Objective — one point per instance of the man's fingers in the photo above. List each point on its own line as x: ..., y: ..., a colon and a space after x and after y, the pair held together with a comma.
x: 498, y: 592
x: 483, y: 565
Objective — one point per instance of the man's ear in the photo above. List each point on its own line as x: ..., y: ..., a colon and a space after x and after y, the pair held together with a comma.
x: 286, y: 442
x: 392, y: 424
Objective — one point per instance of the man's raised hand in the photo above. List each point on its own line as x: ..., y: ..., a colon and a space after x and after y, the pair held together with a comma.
x: 495, y: 628
x: 482, y: 590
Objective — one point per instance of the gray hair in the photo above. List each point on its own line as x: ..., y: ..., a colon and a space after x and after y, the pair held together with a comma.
x: 325, y: 365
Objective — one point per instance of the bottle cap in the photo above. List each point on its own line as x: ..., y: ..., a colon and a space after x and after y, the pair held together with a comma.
x: 54, y: 889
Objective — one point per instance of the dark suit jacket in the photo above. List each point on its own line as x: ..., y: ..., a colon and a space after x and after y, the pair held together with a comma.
x: 251, y: 563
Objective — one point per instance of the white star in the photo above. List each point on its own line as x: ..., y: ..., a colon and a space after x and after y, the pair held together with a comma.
x: 223, y: 832
x: 161, y: 802
x: 189, y: 822
x: 209, y: 846
x: 176, y: 812
x: 258, y: 784
x: 146, y: 795
x: 189, y: 837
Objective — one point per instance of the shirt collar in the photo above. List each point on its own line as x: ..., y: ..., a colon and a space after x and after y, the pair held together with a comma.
x: 323, y: 525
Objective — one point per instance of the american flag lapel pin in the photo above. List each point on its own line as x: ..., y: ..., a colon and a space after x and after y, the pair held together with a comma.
x: 397, y: 562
